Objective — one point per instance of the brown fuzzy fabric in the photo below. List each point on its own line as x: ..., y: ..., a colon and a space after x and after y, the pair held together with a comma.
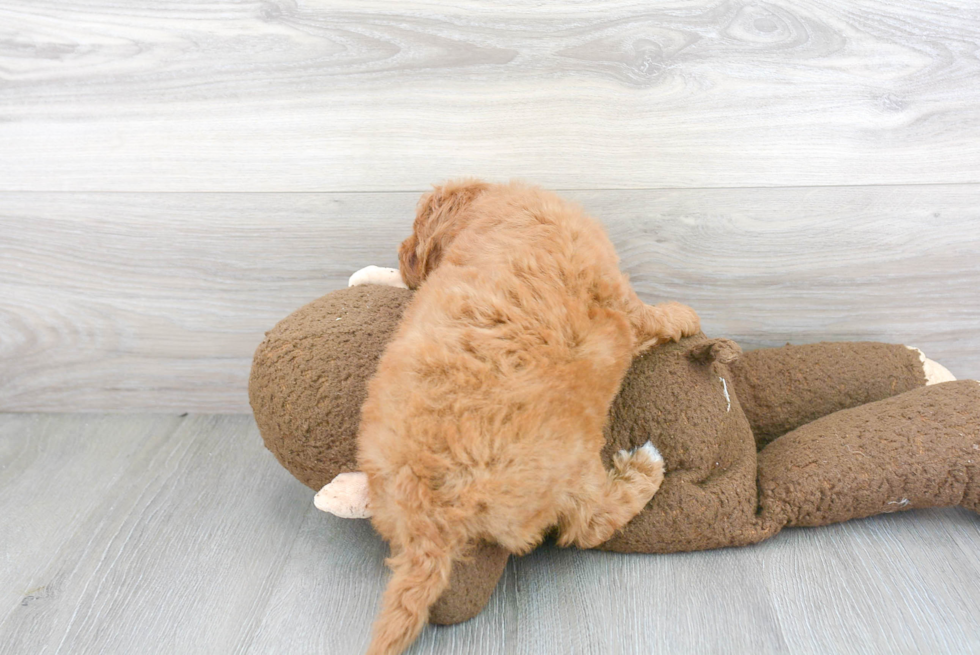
x: 847, y: 430
x: 783, y: 388
x: 917, y: 449
x: 674, y: 396
x: 473, y: 582
x: 309, y: 378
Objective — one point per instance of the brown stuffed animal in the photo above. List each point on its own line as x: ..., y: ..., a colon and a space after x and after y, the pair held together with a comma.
x: 754, y: 442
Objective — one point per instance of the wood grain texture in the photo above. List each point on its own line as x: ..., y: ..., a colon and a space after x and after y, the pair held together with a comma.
x: 319, y: 95
x: 139, y: 534
x: 158, y: 534
x: 156, y: 302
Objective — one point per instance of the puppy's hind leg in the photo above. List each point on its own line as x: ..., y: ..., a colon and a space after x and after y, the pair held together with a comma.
x: 608, y: 502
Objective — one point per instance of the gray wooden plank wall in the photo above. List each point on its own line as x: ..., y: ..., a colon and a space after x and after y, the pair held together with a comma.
x: 156, y: 301
x: 797, y: 171
x: 334, y: 95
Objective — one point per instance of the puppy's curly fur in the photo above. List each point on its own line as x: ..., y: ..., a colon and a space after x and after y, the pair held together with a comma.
x: 484, y: 420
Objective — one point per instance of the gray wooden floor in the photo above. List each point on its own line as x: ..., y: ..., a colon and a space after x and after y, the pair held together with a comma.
x: 167, y: 534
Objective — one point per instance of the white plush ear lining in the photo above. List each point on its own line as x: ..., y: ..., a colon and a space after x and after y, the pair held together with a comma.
x: 386, y: 277
x: 346, y: 496
x: 934, y: 372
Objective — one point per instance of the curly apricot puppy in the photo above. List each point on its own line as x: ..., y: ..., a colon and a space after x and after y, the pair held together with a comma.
x: 484, y: 420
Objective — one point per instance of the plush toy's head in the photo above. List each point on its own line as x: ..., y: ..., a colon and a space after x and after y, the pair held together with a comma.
x: 681, y: 396
x: 309, y: 378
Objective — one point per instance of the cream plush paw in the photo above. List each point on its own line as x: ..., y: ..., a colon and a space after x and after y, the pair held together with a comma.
x: 934, y: 372
x: 346, y: 496
x: 386, y: 277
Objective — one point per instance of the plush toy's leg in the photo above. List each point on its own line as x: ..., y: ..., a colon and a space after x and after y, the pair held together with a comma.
x: 781, y: 389
x: 471, y: 584
x: 918, y: 449
x: 472, y: 580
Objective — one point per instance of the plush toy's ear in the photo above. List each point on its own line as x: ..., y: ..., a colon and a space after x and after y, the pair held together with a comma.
x: 438, y: 218
x: 724, y: 351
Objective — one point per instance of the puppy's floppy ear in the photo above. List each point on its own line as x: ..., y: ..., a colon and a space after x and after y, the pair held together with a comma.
x: 439, y: 216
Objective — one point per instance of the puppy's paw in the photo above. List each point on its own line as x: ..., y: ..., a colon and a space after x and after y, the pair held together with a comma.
x: 685, y: 320
x: 387, y: 277
x: 644, y: 462
x: 346, y: 496
x: 647, y: 460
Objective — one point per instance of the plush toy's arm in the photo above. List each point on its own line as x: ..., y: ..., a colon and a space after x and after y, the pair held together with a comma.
x: 345, y: 496
x: 388, y: 277
x: 781, y: 389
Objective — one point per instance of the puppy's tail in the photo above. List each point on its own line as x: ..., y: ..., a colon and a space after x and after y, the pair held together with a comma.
x: 419, y: 577
x: 421, y: 565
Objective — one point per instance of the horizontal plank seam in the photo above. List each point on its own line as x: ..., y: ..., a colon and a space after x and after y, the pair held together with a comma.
x: 558, y: 189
